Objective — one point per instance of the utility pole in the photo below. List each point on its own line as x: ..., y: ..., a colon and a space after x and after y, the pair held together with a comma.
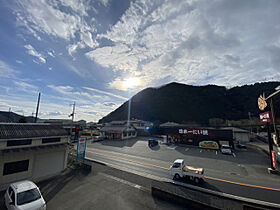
x: 250, y: 119
x: 72, y: 114
x: 9, y: 114
x: 37, y: 109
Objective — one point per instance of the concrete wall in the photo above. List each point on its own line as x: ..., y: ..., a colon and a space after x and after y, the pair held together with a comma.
x: 243, y: 137
x: 43, y: 164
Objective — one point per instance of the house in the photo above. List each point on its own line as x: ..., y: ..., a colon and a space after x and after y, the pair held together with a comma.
x: 239, y: 134
x: 118, y: 130
x: 31, y: 151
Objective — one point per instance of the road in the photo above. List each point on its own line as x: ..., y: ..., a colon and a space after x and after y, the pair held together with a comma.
x: 243, y: 174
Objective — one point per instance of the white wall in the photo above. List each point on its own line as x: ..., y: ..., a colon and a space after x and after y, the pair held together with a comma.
x: 43, y: 164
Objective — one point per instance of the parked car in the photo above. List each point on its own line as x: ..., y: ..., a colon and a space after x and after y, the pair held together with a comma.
x: 152, y: 142
x: 24, y: 195
x: 179, y: 170
x: 225, y: 149
x: 241, y: 146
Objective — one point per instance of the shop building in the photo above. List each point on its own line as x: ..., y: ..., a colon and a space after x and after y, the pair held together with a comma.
x: 31, y: 151
x: 118, y: 130
x: 201, y: 137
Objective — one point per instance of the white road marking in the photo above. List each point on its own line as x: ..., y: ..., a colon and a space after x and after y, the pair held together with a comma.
x: 125, y: 182
x: 186, y: 149
x: 216, y: 152
x: 200, y: 151
x: 233, y: 155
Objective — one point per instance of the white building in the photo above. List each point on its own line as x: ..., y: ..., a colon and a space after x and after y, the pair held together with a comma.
x: 31, y: 151
x: 118, y: 130
x: 239, y: 134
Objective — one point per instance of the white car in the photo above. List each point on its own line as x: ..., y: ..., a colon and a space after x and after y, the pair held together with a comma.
x: 24, y: 195
x: 225, y: 149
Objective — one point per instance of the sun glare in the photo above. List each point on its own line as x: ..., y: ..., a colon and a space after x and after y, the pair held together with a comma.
x: 131, y: 82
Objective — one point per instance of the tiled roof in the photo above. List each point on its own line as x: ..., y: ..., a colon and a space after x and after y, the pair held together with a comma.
x: 116, y: 128
x: 30, y: 130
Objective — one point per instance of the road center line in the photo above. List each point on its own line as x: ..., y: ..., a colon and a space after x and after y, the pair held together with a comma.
x: 206, y: 177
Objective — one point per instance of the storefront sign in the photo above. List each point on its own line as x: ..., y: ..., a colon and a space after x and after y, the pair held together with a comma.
x: 209, y: 144
x: 273, y: 159
x: 114, y: 131
x: 201, y: 132
x: 265, y: 117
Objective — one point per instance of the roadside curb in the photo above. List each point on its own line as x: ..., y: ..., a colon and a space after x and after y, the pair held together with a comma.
x: 233, y: 198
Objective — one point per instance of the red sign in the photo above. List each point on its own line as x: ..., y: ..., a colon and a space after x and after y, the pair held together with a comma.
x: 114, y: 131
x: 265, y: 117
x: 194, y: 131
x: 273, y: 159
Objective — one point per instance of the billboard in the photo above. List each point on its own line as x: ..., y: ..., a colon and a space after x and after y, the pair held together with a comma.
x: 209, y: 145
x: 265, y: 117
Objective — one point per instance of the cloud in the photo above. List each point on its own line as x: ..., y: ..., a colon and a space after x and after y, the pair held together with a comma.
x: 111, y: 104
x: 6, y: 71
x: 33, y: 52
x: 105, y: 93
x: 73, y: 48
x: 18, y: 61
x: 26, y: 87
x: 51, y: 53
x: 194, y: 42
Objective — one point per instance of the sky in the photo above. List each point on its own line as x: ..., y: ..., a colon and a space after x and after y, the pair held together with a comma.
x: 100, y: 53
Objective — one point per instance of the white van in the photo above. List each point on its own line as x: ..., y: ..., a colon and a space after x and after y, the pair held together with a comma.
x: 225, y: 149
x: 24, y: 195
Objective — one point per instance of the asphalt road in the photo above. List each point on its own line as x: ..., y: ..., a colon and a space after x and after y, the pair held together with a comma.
x: 243, y: 174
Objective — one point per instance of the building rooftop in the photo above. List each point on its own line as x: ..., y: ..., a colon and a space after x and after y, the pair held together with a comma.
x: 30, y: 130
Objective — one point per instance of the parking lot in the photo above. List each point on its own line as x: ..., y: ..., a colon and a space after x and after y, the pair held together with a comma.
x: 246, y: 165
x: 102, y: 188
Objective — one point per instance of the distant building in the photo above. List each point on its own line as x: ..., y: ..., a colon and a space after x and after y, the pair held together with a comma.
x: 141, y: 126
x: 168, y: 124
x: 118, y: 130
x: 198, y: 136
x: 239, y: 134
x: 31, y: 151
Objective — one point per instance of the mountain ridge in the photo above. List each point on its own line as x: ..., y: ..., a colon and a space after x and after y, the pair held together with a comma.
x: 180, y: 103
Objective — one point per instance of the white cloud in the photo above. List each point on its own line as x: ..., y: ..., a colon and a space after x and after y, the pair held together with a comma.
x: 193, y: 42
x: 50, y: 68
x: 73, y: 48
x: 51, y: 53
x: 6, y: 71
x: 18, y: 61
x: 105, y: 93
x: 26, y: 87
x: 33, y: 52
x: 42, y: 16
x: 80, y: 7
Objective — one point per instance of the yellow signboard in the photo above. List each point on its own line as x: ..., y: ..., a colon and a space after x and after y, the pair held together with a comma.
x: 209, y: 144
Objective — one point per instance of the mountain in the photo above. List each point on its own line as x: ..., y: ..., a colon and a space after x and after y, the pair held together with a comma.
x: 182, y: 103
x: 13, y: 117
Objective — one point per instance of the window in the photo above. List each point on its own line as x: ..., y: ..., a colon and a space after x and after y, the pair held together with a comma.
x: 176, y: 165
x: 50, y: 140
x: 15, y: 167
x: 19, y: 142
x: 28, y: 196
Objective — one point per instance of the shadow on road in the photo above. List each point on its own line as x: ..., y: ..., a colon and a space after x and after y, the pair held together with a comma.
x: 119, y: 143
x: 155, y: 148
x: 49, y: 188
